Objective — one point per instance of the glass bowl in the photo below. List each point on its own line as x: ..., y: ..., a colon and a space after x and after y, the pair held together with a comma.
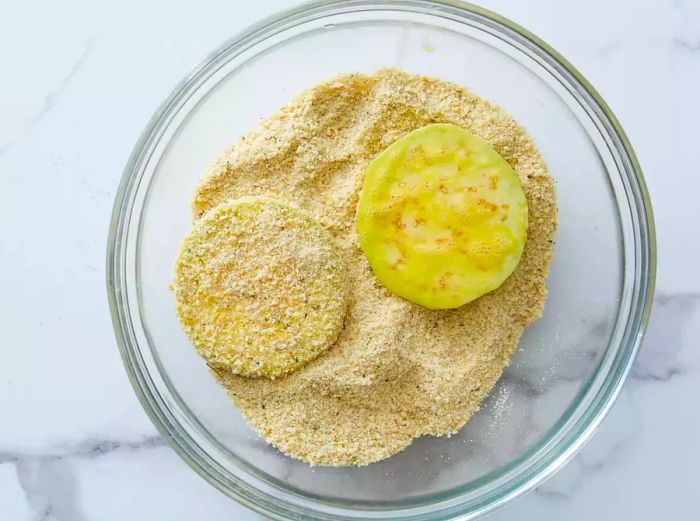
x: 570, y: 364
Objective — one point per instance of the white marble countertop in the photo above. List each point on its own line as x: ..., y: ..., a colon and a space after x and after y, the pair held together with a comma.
x: 79, y: 82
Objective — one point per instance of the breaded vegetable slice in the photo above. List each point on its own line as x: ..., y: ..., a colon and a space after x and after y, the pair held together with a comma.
x: 442, y: 217
x: 260, y: 288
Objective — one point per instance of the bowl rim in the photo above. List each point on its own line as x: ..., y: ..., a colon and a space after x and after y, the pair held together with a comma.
x: 550, y: 462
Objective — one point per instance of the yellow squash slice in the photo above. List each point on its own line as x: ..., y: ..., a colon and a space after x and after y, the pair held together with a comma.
x: 260, y: 288
x: 442, y: 217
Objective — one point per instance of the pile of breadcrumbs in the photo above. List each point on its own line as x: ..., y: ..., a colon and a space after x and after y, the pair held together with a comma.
x: 397, y: 370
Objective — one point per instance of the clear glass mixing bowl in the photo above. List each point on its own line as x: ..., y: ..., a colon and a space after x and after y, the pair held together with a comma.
x: 570, y: 364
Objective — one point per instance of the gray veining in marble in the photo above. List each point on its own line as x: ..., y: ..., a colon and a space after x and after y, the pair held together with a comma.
x: 49, y: 100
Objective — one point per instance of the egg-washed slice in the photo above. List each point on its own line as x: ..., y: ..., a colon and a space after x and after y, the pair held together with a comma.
x: 442, y: 217
x: 260, y: 288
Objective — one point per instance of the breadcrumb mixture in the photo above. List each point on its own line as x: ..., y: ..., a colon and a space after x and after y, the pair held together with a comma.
x: 397, y: 370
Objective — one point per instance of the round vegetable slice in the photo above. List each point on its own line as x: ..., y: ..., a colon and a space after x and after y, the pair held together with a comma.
x: 442, y: 217
x: 260, y: 288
